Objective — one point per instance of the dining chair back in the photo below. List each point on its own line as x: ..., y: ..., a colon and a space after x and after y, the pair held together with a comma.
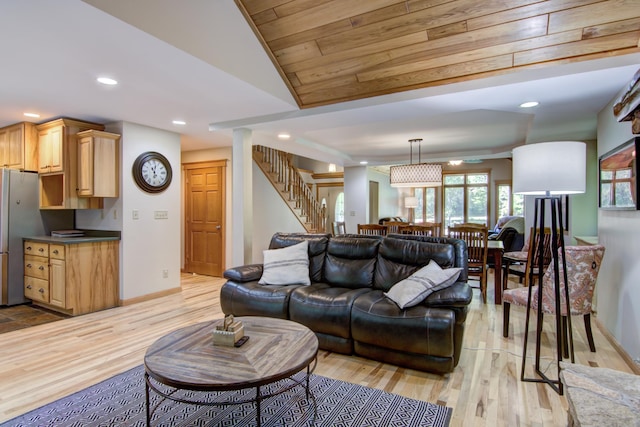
x: 420, y: 230
x: 524, y: 264
x: 395, y: 226
x: 476, y: 240
x: 372, y: 229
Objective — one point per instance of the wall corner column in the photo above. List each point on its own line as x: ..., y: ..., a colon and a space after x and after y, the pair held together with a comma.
x: 242, y: 197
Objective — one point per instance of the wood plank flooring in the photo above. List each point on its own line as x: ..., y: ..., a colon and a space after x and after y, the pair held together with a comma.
x: 43, y: 363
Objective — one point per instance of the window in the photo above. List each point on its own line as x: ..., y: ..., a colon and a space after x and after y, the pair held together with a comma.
x: 339, y: 211
x: 466, y: 198
x: 508, y: 203
x: 426, y: 210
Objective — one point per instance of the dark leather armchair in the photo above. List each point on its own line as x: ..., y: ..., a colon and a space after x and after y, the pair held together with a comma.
x: 511, y: 239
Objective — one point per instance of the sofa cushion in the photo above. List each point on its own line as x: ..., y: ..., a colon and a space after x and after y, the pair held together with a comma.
x: 253, y: 299
x: 400, y: 256
x: 378, y: 321
x: 323, y: 308
x: 415, y: 288
x: 317, y: 249
x: 286, y: 266
x: 351, y: 261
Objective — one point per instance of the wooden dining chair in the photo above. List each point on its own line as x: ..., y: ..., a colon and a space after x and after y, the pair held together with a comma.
x: 476, y: 240
x: 525, y: 263
x: 437, y: 227
x: 419, y: 230
x: 394, y: 226
x: 372, y: 229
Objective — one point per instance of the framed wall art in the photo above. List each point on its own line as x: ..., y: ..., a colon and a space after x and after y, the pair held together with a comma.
x: 618, y: 175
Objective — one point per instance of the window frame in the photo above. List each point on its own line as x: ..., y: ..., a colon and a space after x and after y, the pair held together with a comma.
x: 465, y: 186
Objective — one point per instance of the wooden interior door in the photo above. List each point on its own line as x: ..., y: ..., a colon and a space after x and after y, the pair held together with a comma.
x: 204, y: 216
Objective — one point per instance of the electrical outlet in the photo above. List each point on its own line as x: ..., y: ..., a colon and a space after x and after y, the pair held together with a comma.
x: 165, y: 274
x: 115, y: 214
x: 135, y: 214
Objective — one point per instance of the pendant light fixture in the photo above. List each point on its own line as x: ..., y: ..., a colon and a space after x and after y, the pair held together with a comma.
x: 418, y: 174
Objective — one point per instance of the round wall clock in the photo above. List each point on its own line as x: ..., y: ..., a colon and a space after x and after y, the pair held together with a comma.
x: 152, y: 172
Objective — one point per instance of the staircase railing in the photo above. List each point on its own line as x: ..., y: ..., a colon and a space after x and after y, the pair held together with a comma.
x: 286, y: 178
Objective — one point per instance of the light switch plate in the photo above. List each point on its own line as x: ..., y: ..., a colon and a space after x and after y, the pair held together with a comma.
x: 161, y: 215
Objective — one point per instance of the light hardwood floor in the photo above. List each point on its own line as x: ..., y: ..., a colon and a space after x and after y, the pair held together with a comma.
x: 43, y: 363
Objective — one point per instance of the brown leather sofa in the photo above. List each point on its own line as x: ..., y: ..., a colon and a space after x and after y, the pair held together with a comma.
x: 345, y: 305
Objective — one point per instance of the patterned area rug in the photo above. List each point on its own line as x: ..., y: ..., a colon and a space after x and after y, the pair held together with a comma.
x: 119, y: 401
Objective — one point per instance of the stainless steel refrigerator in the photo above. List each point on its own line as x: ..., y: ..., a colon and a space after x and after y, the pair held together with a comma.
x: 19, y: 217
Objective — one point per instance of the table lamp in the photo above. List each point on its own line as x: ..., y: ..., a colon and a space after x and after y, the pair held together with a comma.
x: 410, y: 203
x: 549, y: 170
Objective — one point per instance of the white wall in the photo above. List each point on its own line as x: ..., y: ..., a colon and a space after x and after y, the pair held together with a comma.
x: 390, y: 200
x: 356, y: 197
x: 618, y: 287
x: 270, y: 214
x: 148, y: 246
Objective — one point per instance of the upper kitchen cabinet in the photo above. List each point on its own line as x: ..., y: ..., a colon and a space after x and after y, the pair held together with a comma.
x: 57, y: 165
x: 98, y: 164
x: 19, y: 147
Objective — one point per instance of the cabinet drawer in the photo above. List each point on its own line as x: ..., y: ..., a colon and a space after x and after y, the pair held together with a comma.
x: 36, y: 248
x: 35, y: 266
x: 56, y: 251
x: 36, y: 289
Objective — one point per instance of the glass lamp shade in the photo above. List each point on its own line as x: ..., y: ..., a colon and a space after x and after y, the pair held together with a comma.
x: 410, y: 202
x: 416, y: 175
x: 550, y: 168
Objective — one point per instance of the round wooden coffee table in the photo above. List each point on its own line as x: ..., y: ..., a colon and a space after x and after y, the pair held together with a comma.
x: 186, y: 359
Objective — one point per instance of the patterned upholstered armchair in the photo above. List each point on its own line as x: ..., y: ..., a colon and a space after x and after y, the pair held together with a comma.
x: 583, y: 265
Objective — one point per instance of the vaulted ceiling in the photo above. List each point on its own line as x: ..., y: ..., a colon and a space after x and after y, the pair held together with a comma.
x: 350, y: 80
x: 331, y: 51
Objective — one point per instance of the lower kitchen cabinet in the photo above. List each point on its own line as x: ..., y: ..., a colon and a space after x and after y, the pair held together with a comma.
x: 72, y: 278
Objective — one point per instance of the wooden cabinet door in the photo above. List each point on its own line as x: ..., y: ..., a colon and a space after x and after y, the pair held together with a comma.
x: 57, y: 293
x: 16, y: 148
x: 85, y: 166
x: 50, y: 146
x: 4, y: 148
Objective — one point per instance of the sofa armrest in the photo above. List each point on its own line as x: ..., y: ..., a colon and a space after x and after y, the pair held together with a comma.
x: 244, y: 273
x: 457, y: 295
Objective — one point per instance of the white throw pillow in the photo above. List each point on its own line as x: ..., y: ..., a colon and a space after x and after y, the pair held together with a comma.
x: 286, y: 266
x: 415, y: 288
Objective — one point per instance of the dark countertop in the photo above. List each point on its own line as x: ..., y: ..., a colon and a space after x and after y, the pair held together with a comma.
x: 90, y: 236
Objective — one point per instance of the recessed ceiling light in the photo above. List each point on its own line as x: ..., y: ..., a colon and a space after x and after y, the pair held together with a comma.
x: 529, y: 104
x: 455, y: 162
x: 34, y: 115
x: 284, y: 135
x: 107, y: 81
x: 364, y: 162
x: 179, y: 122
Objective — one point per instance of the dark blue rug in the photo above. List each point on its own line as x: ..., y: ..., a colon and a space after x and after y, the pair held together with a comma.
x: 120, y: 401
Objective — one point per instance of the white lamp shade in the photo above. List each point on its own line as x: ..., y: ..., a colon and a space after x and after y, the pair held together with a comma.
x: 550, y: 168
x: 416, y: 175
x: 410, y: 202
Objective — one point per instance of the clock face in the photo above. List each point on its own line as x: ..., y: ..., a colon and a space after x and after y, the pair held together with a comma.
x: 152, y: 172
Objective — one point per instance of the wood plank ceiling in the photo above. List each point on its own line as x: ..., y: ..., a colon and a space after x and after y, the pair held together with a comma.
x: 331, y: 51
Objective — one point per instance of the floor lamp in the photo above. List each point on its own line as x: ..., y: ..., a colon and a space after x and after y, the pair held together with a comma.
x: 549, y: 170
